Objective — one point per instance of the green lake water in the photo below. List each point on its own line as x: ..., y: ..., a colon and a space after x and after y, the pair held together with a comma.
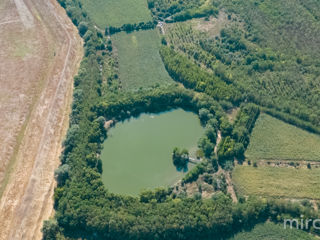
x: 137, y: 152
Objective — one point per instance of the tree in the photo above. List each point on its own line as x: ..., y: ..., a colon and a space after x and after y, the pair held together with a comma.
x: 164, y: 41
x: 213, y: 123
x: 150, y: 4
x: 226, y: 148
x: 204, y: 115
x: 240, y: 133
x: 226, y: 127
x: 83, y: 27
x: 50, y: 229
x: 71, y: 138
x: 197, y: 196
x: 146, y: 196
x: 87, y: 36
x: 194, y: 173
x: 160, y: 194
x: 128, y: 27
x: 238, y: 150
x: 61, y: 174
x: 206, y: 146
x: 214, y: 162
x: 180, y: 158
x: 211, y: 134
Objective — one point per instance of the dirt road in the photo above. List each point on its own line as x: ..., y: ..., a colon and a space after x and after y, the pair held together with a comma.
x: 40, y: 52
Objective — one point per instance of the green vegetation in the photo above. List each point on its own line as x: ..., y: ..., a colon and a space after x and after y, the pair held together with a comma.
x: 274, y: 139
x: 246, y: 64
x: 174, y: 10
x: 283, y: 182
x: 140, y: 64
x: 268, y: 57
x: 271, y: 231
x: 183, y: 70
x: 128, y: 27
x: 123, y: 105
x: 116, y: 12
x: 194, y: 173
x: 244, y: 123
x: 292, y: 120
x: 236, y: 136
x: 180, y: 158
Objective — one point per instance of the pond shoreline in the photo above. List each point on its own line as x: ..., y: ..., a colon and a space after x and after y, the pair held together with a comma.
x: 141, y: 148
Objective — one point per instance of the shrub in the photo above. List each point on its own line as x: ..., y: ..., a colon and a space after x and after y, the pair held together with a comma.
x: 83, y: 27
x: 61, y: 174
x: 50, y: 229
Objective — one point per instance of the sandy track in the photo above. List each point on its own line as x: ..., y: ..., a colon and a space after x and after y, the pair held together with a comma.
x: 8, y: 22
x: 25, y: 15
x: 39, y: 55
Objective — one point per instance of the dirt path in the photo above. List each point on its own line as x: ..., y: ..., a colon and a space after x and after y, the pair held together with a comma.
x: 39, y: 55
x: 230, y: 187
x: 8, y: 22
x: 217, y: 142
x: 25, y: 15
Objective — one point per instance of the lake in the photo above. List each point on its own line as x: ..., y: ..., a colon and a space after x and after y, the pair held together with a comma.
x: 137, y: 152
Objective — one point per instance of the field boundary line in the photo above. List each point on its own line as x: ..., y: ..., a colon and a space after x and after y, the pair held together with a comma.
x: 317, y: 162
x: 283, y: 197
x: 8, y: 22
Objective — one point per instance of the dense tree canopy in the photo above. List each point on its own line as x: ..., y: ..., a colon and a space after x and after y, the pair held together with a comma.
x: 180, y: 158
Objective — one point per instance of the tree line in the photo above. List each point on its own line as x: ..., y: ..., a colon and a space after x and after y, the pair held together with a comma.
x: 173, y: 11
x: 183, y: 70
x: 130, y: 27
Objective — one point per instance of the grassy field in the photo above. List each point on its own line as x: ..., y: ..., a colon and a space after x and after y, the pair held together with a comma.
x: 271, y: 231
x: 117, y: 12
x: 274, y: 139
x: 140, y: 64
x: 277, y: 181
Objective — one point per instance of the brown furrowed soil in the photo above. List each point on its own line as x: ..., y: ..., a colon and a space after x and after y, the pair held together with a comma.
x: 40, y: 52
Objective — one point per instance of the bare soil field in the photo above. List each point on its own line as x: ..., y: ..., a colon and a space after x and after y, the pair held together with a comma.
x: 40, y: 52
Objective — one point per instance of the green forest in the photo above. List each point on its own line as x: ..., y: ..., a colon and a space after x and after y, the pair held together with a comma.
x: 264, y: 61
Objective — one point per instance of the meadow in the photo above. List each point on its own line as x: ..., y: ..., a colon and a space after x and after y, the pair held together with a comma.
x: 140, y: 64
x: 271, y: 231
x: 113, y: 13
x: 282, y: 182
x: 275, y: 139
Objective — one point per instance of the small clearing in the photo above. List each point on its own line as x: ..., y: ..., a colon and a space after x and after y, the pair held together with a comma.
x: 232, y: 114
x: 213, y: 25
